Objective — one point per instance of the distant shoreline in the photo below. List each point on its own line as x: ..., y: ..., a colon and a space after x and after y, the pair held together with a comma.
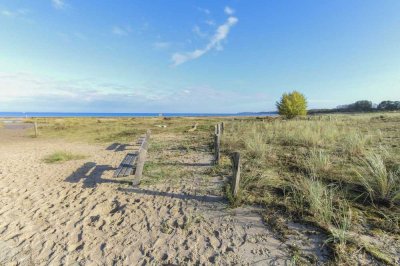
x: 98, y: 115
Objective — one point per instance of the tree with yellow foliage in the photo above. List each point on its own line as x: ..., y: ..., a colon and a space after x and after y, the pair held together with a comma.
x: 292, y: 104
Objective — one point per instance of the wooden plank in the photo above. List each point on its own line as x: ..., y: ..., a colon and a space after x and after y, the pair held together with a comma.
x: 118, y: 171
x: 129, y: 165
x: 126, y: 164
x: 236, y: 173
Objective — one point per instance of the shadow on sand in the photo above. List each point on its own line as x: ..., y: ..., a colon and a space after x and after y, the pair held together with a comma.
x: 91, y: 174
x: 187, y: 164
x: 118, y: 147
x: 182, y: 196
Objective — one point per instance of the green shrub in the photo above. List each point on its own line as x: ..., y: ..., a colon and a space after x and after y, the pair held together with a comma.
x: 292, y: 104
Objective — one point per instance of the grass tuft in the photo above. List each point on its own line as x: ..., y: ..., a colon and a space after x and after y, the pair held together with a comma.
x: 380, y: 183
x: 62, y: 156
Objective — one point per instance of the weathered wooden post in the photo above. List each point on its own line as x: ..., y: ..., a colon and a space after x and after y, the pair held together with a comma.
x: 36, y: 129
x: 236, y: 173
x: 218, y: 129
x: 217, y: 144
x: 222, y: 127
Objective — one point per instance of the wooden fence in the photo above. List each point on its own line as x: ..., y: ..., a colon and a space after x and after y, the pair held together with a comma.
x: 235, y: 158
x: 219, y: 130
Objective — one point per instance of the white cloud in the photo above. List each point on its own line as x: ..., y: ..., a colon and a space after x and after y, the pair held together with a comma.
x: 59, y: 4
x: 121, y: 30
x: 214, y: 43
x: 229, y: 11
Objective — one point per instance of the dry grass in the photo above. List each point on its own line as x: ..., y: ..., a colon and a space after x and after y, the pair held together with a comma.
x: 318, y: 175
x: 307, y: 168
x: 381, y: 184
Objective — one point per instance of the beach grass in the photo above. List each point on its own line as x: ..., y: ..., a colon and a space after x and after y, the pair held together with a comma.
x: 338, y: 172
x: 62, y: 156
x: 323, y: 170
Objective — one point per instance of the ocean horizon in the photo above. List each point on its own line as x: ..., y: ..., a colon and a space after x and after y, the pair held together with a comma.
x: 83, y: 114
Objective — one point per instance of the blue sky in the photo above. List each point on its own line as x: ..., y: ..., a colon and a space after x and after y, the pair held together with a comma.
x: 195, y: 56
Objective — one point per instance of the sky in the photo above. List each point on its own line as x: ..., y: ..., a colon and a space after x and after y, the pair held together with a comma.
x: 195, y: 56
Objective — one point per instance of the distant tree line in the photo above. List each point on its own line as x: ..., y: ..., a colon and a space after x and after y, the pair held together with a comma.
x: 362, y: 106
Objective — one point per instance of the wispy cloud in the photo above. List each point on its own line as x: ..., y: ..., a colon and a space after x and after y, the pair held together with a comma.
x: 70, y: 37
x: 204, y: 10
x: 199, y: 32
x: 14, y: 14
x: 229, y: 11
x: 161, y: 45
x: 59, y: 4
x: 121, y: 30
x: 214, y: 43
x: 31, y: 92
x: 210, y: 22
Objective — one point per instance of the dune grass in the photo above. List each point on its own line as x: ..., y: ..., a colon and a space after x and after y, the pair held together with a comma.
x: 334, y: 171
x: 62, y: 156
x: 317, y: 169
x: 381, y: 184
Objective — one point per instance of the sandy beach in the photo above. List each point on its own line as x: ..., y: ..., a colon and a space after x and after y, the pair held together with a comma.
x: 77, y: 213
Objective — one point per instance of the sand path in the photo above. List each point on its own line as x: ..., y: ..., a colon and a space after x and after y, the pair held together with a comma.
x: 76, y: 213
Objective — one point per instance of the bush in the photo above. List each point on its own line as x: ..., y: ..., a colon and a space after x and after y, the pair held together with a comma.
x: 292, y: 104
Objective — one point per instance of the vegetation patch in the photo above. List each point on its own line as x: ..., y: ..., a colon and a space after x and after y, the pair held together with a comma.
x: 62, y: 156
x: 339, y: 172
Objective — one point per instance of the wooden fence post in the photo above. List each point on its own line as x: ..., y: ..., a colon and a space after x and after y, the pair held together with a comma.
x: 222, y: 127
x: 36, y: 129
x: 236, y: 173
x: 218, y: 129
x: 217, y: 144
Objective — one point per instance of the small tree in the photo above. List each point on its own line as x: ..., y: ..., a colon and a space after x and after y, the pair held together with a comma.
x: 292, y: 104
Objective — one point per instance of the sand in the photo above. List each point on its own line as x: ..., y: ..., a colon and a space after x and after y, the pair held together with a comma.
x: 76, y: 213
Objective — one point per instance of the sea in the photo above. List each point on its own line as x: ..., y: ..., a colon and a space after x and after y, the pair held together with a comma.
x: 61, y: 114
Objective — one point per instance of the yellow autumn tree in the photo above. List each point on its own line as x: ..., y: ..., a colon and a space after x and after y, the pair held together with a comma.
x: 292, y: 104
